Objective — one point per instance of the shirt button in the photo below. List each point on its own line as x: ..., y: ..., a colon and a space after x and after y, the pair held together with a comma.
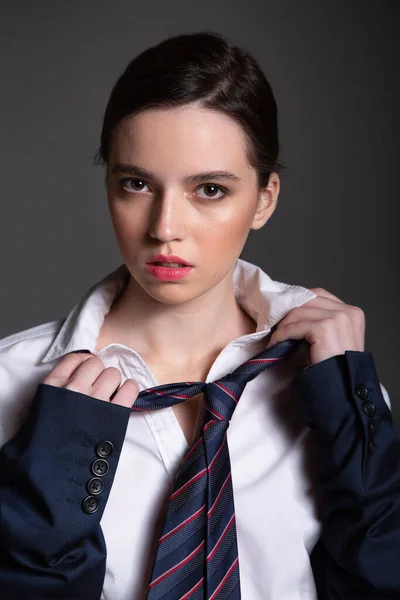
x: 90, y: 504
x: 95, y: 486
x: 104, y: 449
x: 362, y: 391
x: 100, y: 467
x: 368, y: 408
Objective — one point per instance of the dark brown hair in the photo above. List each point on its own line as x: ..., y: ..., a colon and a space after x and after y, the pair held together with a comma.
x: 205, y: 68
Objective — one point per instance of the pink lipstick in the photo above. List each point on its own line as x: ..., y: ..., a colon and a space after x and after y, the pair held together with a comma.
x: 168, y: 267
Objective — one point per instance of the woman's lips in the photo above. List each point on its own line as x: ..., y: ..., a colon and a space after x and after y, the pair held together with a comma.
x: 168, y: 273
x: 168, y: 258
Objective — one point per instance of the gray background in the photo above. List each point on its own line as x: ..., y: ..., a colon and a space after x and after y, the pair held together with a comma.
x: 334, y: 70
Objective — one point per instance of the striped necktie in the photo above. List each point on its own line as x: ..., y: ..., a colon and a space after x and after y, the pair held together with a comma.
x: 197, y: 554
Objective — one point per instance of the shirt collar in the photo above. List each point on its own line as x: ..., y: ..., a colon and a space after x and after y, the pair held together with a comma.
x: 266, y: 300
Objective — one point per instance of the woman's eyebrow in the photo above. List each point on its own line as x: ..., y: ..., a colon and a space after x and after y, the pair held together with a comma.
x: 140, y: 172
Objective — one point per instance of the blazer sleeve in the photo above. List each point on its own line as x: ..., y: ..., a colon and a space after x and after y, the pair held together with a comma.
x: 358, y: 554
x: 51, y: 543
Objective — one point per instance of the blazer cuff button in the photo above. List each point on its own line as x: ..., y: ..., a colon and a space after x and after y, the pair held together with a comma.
x: 90, y: 504
x: 104, y: 449
x: 100, y: 467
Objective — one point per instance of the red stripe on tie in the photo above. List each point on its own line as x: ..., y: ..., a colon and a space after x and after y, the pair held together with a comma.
x: 214, y: 412
x: 225, y: 578
x: 262, y: 360
x: 197, y: 476
x: 219, y: 495
x: 181, y: 396
x: 177, y: 566
x: 194, y: 588
x: 221, y: 537
x: 173, y: 395
x: 226, y: 391
x: 217, y: 453
x: 208, y: 424
x: 178, y: 527
x: 191, y: 449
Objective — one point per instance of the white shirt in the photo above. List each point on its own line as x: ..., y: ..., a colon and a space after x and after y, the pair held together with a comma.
x: 276, y: 514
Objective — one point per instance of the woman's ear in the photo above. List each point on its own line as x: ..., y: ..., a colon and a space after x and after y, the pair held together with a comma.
x: 267, y: 201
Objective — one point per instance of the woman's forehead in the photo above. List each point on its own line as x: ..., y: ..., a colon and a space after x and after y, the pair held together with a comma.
x: 196, y: 137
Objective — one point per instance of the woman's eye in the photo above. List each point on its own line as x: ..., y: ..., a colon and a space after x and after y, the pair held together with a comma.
x: 123, y: 184
x: 211, y: 189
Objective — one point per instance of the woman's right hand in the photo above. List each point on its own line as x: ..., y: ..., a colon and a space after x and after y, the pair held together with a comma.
x: 85, y: 373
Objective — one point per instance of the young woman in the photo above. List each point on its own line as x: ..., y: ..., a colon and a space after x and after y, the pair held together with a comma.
x: 190, y: 146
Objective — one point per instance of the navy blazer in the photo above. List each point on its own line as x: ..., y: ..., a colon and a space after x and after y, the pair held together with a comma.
x: 51, y: 542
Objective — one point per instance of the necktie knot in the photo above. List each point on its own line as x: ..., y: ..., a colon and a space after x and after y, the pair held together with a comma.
x: 221, y: 395
x: 221, y: 398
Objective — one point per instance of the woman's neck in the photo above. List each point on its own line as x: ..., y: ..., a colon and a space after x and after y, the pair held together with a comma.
x: 184, y: 334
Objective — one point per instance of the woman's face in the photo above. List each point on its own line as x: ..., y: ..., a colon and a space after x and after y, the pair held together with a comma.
x: 160, y: 210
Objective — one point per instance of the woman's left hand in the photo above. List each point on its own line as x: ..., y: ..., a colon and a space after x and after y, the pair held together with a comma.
x: 328, y: 324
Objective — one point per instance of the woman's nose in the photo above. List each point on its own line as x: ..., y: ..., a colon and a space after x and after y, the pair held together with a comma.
x: 168, y: 218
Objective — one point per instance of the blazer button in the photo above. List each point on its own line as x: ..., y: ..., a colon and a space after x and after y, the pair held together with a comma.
x: 368, y: 408
x: 100, y: 467
x: 371, y: 428
x: 371, y: 447
x: 95, y: 486
x: 362, y: 391
x: 104, y: 449
x: 90, y: 504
